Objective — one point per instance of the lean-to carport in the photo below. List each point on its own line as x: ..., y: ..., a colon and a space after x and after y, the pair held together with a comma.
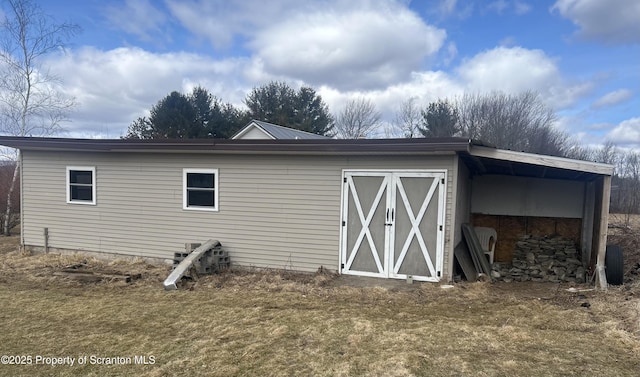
x: 513, y: 183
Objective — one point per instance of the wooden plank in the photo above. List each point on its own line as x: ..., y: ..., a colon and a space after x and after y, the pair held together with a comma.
x: 587, y: 223
x: 463, y: 256
x: 541, y: 226
x: 474, y: 256
x: 569, y: 228
x: 482, y: 264
x: 602, y: 232
x: 489, y: 221
x: 95, y: 276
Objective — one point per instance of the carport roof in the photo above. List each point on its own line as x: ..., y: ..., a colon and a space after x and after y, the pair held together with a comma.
x: 484, y: 160
x: 479, y: 157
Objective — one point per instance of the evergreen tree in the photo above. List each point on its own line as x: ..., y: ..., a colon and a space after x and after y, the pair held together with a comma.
x: 439, y: 120
x: 278, y: 103
x: 197, y: 115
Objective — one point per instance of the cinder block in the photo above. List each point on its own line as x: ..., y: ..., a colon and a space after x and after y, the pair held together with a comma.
x: 189, y: 247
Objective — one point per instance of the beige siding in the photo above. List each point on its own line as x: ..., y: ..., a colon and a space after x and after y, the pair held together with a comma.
x: 274, y: 211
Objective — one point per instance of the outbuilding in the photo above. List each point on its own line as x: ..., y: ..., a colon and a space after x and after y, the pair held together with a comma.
x: 388, y: 208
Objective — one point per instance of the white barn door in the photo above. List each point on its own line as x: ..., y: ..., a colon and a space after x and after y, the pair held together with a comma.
x: 393, y: 224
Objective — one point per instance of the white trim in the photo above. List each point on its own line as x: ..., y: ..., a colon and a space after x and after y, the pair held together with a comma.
x: 365, y: 221
x: 391, y: 182
x: 216, y: 188
x: 92, y: 169
x: 541, y: 160
x: 248, y: 128
x: 415, y: 226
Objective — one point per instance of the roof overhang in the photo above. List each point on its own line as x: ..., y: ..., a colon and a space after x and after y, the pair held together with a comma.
x: 243, y: 146
x: 485, y: 160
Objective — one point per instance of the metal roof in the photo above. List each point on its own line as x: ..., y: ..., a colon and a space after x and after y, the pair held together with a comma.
x: 480, y: 158
x: 278, y: 132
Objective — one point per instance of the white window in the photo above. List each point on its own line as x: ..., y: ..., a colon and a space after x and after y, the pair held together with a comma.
x: 81, y: 185
x: 200, y: 189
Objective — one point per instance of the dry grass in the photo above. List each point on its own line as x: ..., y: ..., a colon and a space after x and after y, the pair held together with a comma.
x: 624, y: 230
x: 284, y: 324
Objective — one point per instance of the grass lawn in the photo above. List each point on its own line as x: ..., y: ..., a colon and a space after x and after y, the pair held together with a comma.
x: 285, y: 324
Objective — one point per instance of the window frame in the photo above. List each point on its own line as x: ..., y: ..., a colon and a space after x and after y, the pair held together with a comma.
x: 185, y: 189
x: 92, y: 169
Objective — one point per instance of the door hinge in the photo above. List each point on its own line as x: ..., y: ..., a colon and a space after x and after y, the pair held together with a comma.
x: 344, y: 179
x: 442, y: 181
x: 342, y: 266
x: 440, y: 227
x: 344, y: 223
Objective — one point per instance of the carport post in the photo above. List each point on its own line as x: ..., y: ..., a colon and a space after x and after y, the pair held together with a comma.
x: 601, y: 277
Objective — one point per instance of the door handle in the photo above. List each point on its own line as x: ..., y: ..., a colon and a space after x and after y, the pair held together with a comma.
x: 387, y: 222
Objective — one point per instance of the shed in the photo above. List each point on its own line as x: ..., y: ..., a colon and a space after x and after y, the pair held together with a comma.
x: 263, y: 130
x: 389, y: 208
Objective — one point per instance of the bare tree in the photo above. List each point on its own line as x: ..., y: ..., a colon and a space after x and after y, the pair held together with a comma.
x: 408, y: 118
x: 359, y: 119
x: 30, y: 103
x: 608, y: 154
x: 629, y: 184
x: 519, y: 122
x: 581, y: 152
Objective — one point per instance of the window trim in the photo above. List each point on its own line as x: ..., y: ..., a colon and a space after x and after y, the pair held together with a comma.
x: 185, y: 205
x: 92, y: 169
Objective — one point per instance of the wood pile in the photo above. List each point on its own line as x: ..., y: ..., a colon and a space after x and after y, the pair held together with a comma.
x: 82, y: 272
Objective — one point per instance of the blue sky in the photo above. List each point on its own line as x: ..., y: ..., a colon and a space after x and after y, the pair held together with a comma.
x: 582, y: 56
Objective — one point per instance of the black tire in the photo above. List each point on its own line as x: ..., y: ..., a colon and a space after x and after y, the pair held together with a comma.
x: 614, y: 265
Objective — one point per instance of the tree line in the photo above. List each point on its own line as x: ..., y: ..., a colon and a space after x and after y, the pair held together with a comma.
x: 521, y: 122
x: 625, y: 183
x: 200, y: 114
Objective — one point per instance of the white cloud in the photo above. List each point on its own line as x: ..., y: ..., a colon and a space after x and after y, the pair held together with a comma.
x: 452, y: 52
x: 516, y: 69
x: 501, y: 6
x: 498, y: 6
x: 520, y: 7
x: 344, y: 44
x: 611, y: 21
x: 626, y: 133
x: 220, y: 21
x: 425, y: 87
x: 113, y: 88
x: 137, y: 17
x: 563, y: 94
x: 613, y: 98
x: 507, y: 69
x: 367, y: 48
x: 509, y: 41
x: 447, y: 6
